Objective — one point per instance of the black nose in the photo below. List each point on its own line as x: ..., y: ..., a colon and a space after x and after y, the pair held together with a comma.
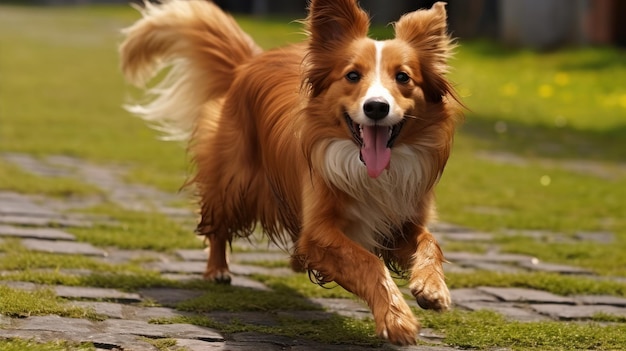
x: 376, y: 108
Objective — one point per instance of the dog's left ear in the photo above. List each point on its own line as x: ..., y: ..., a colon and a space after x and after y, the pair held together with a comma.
x: 426, y: 31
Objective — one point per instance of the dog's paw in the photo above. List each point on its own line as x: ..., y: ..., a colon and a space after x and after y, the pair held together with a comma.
x: 220, y: 276
x: 399, y: 326
x: 430, y: 290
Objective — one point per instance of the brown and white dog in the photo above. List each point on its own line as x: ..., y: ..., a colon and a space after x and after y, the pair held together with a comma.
x: 334, y: 144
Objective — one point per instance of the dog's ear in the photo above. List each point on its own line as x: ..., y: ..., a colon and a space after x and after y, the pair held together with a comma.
x: 335, y: 21
x: 331, y: 25
x: 426, y: 32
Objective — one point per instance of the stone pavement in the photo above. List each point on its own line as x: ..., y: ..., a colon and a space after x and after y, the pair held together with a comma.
x: 43, y: 224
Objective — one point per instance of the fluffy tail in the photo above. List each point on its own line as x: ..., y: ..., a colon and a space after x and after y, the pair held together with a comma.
x: 201, y: 45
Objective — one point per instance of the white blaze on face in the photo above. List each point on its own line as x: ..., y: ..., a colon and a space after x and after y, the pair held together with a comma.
x: 377, y: 90
x: 375, y: 133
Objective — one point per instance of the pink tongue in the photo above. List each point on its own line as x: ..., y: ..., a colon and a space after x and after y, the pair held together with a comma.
x: 375, y: 152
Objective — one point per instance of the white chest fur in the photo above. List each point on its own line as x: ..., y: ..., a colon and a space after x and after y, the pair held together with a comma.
x: 383, y: 204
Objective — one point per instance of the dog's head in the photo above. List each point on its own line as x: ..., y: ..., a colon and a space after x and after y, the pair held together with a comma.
x: 379, y: 94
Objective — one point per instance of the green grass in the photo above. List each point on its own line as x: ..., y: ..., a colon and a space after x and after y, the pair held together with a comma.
x: 19, y: 264
x: 230, y: 298
x: 67, y: 94
x: 19, y: 303
x: 137, y: 230
x: 29, y: 345
x: 554, y: 283
x: 165, y: 344
x: 324, y: 330
x: 15, y: 179
x: 303, y: 285
x: 485, y: 330
x: 589, y: 255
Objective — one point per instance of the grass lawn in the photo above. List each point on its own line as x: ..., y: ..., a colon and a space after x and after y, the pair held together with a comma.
x: 543, y: 148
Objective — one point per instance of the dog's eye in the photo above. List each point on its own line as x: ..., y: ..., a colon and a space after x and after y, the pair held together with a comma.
x: 353, y: 76
x: 402, y: 77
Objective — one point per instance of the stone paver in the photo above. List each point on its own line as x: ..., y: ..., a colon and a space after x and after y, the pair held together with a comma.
x: 490, y: 257
x: 36, y: 221
x: 526, y: 295
x: 108, y: 309
x: 100, y: 340
x: 554, y: 268
x: 491, y: 266
x: 63, y: 247
x: 79, y: 292
x: 192, y: 267
x: 17, y: 204
x: 558, y: 311
x: 56, y: 324
x: 471, y: 295
x: 39, y: 223
x: 169, y: 296
x: 509, y: 310
x: 467, y: 236
x: 344, y: 307
x: 598, y: 237
x: 34, y: 233
x: 141, y: 328
x: 600, y: 300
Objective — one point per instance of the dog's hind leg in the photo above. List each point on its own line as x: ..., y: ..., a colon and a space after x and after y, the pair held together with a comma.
x: 227, y: 200
x: 217, y: 265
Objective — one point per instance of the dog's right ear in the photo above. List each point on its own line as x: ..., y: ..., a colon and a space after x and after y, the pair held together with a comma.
x: 334, y: 21
x: 331, y: 25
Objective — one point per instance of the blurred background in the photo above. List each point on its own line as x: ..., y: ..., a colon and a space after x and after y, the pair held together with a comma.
x: 540, y: 24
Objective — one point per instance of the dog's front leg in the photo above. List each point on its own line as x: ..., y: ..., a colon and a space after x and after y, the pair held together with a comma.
x: 419, y: 252
x: 331, y: 256
x: 427, y: 281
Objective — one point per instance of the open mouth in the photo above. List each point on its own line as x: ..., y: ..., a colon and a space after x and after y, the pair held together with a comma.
x: 375, y: 142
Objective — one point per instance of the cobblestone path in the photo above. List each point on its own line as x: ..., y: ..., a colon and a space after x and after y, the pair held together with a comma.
x: 44, y: 224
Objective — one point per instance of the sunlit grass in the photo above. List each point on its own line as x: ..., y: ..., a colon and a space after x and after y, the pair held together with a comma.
x: 19, y: 303
x: 16, y: 179
x: 554, y: 283
x: 30, y: 345
x: 486, y: 330
x: 138, y: 230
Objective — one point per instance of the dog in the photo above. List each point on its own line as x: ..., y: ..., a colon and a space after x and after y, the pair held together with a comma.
x: 333, y: 145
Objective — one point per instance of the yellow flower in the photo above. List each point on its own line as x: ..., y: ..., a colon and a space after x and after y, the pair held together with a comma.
x: 509, y: 89
x: 561, y: 78
x: 545, y: 180
x: 622, y: 100
x: 465, y: 92
x: 545, y: 91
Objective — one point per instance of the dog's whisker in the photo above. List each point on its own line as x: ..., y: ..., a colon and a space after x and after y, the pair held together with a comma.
x: 414, y: 117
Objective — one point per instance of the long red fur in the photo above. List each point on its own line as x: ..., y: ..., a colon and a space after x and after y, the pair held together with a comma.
x: 260, y: 127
